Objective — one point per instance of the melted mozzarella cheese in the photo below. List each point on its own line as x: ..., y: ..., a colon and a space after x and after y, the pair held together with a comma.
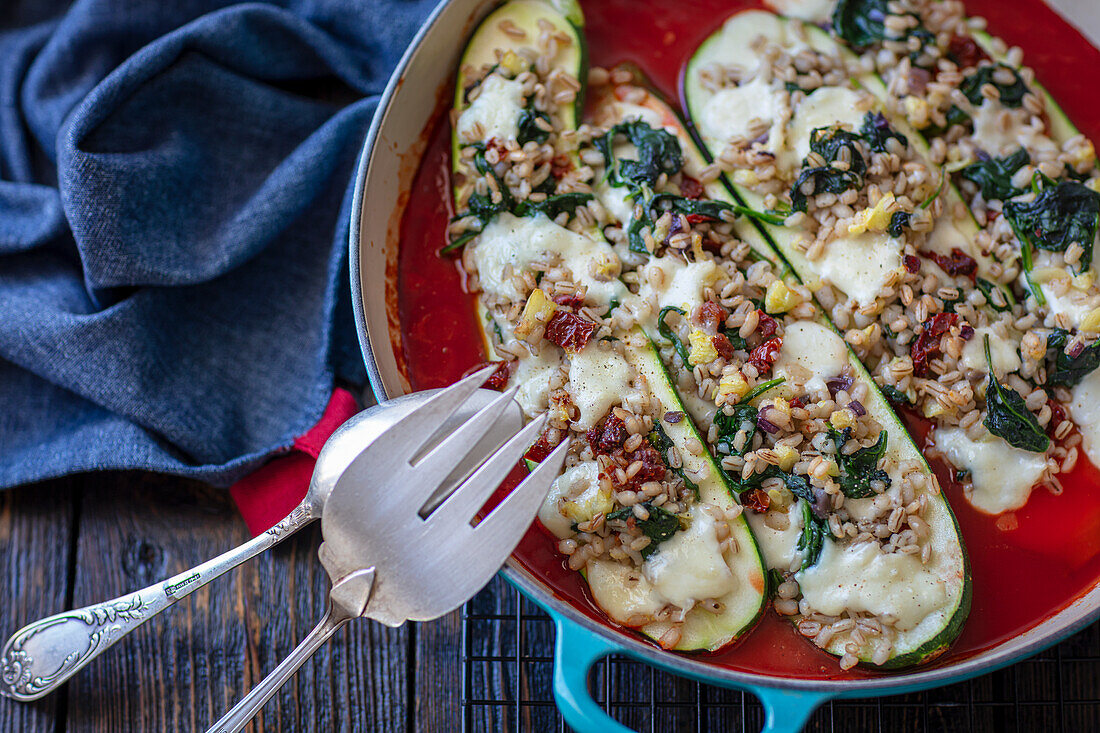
x: 518, y: 241
x: 1002, y: 476
x: 533, y: 375
x: 682, y: 283
x: 826, y: 107
x: 617, y: 201
x: 866, y: 510
x: 575, y: 496
x: 1085, y: 407
x: 689, y: 566
x: 626, y: 111
x: 1068, y: 308
x: 999, y: 134
x: 622, y: 592
x: 813, y: 347
x: 778, y: 546
x: 495, y: 113
x: 814, y: 11
x: 598, y: 378
x: 731, y: 112
x: 734, y: 43
x: 861, y: 577
x: 1003, y: 351
x: 860, y: 265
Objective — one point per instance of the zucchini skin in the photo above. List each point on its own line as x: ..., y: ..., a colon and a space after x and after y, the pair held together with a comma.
x: 949, y: 632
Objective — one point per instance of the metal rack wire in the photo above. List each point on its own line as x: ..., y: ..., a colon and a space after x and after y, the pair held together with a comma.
x: 507, y: 666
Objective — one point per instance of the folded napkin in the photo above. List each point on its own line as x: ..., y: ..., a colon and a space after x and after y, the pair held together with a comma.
x: 174, y: 205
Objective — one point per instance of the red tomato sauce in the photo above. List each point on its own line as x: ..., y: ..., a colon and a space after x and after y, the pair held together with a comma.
x: 1020, y: 575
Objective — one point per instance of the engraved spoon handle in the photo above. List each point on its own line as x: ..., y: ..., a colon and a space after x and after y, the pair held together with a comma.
x: 41, y: 656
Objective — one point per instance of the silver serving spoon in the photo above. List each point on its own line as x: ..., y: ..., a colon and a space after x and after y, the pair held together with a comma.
x: 38, y: 658
x: 399, y: 544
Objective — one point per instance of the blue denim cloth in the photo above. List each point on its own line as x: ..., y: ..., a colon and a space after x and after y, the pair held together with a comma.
x: 174, y: 204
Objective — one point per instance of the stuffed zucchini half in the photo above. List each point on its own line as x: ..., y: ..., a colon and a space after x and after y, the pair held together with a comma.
x: 641, y: 509
x: 922, y: 279
x: 865, y: 554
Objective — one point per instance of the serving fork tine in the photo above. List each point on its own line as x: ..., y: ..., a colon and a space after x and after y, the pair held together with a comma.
x: 400, y: 542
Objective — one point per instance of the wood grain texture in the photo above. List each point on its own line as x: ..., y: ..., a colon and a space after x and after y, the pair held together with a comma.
x: 184, y: 669
x: 36, y: 524
x: 181, y: 671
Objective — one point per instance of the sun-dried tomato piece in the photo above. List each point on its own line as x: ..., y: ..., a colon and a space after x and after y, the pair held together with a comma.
x: 912, y: 264
x: 768, y: 325
x: 965, y: 52
x: 710, y: 315
x: 573, y: 300
x: 1057, y: 415
x: 540, y: 449
x: 691, y: 188
x: 764, y: 355
x: 927, y: 344
x: 959, y: 263
x: 607, y: 436
x: 498, y: 380
x: 699, y: 218
x: 723, y: 346
x: 653, y: 465
x: 711, y: 246
x: 569, y: 331
x: 560, y: 165
x: 756, y: 500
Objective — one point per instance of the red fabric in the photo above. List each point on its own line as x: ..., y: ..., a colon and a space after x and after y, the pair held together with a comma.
x: 269, y: 493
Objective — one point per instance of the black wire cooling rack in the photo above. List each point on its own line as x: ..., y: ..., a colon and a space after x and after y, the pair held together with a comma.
x: 507, y: 667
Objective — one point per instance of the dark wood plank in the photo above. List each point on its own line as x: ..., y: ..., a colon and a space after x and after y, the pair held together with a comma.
x: 184, y: 669
x: 36, y: 529
x: 436, y: 676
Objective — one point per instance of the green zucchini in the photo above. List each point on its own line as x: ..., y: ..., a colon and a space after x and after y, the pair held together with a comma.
x: 489, y: 38
x: 744, y: 602
x: 743, y: 605
x: 949, y: 562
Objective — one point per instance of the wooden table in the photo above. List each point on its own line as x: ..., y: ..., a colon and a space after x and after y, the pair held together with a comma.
x: 74, y: 541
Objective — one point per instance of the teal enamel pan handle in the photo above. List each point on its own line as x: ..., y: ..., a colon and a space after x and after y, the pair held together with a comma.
x: 577, y: 649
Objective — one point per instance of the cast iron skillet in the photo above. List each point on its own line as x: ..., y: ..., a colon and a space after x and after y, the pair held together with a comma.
x: 419, y: 87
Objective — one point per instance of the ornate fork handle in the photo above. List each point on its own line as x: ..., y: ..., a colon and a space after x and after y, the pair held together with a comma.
x: 41, y: 656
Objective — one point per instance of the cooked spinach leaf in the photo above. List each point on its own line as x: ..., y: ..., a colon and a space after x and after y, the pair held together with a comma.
x: 812, y: 540
x: 1012, y: 95
x: 1007, y: 416
x: 658, y: 152
x: 895, y: 396
x: 994, y: 175
x: 659, y: 439
x: 554, y: 205
x: 860, y: 22
x: 859, y: 469
x: 1065, y: 370
x: 876, y: 131
x: 1060, y: 214
x: 743, y: 417
x: 899, y: 222
x: 660, y: 525
x: 828, y: 142
x: 528, y: 130
x: 667, y: 333
x: 826, y: 179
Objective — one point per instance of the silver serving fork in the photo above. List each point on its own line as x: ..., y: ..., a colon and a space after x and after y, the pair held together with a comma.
x: 399, y: 543
x: 41, y: 656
